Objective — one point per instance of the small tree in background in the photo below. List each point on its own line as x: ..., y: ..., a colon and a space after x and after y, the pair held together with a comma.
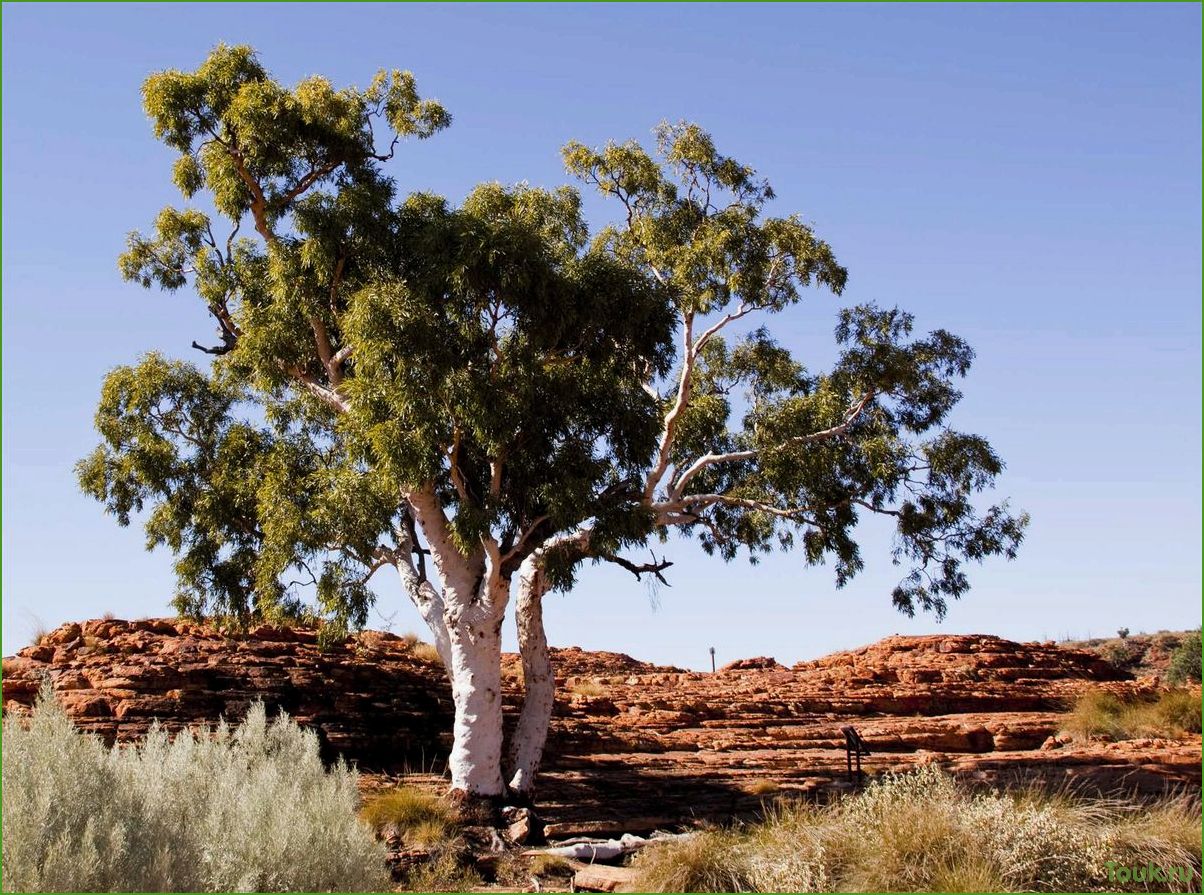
x: 487, y: 388
x: 1185, y: 660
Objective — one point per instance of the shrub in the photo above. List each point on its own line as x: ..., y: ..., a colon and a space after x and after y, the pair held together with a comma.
x: 1096, y: 713
x: 1124, y: 655
x: 1178, y: 710
x: 1185, y: 660
x: 245, y: 809
x: 1122, y: 633
x: 922, y: 832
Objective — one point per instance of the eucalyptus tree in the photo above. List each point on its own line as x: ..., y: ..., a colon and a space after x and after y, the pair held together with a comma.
x: 487, y: 388
x: 757, y: 452
x: 393, y: 381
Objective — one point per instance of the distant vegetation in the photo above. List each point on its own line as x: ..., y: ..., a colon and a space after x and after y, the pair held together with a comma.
x: 249, y: 809
x: 922, y: 832
x: 1173, y: 655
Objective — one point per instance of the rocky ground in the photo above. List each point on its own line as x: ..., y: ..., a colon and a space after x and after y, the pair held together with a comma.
x: 634, y: 746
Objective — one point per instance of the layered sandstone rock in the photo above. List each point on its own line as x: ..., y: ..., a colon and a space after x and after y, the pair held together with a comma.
x: 631, y: 743
x: 369, y: 698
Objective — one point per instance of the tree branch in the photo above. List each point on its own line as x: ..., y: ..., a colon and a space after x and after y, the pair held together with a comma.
x: 217, y: 350
x: 517, y: 549
x: 651, y: 568
x: 742, y: 311
x: 415, y: 549
x: 706, y: 460
x: 675, y: 412
x: 693, y: 502
x: 327, y: 396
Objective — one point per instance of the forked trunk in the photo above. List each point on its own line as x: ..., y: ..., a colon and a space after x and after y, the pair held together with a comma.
x: 539, y: 682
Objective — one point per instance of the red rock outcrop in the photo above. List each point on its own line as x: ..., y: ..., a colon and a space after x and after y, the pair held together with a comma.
x: 640, y: 741
x: 369, y: 698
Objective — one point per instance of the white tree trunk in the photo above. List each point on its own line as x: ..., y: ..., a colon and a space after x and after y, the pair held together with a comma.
x: 476, y: 676
x: 539, y: 682
x: 474, y: 596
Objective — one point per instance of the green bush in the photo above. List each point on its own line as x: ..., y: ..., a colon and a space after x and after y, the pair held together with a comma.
x: 1185, y: 660
x: 248, y: 809
x: 922, y: 832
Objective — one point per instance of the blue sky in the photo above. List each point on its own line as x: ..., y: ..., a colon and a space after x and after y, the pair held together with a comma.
x: 1027, y: 176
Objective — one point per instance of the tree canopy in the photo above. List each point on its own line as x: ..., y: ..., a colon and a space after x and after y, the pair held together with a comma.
x: 490, y: 386
x: 369, y: 347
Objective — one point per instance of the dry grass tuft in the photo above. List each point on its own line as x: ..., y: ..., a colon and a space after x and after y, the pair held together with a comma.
x: 587, y: 688
x: 425, y: 652
x: 551, y: 865
x: 421, y: 818
x: 922, y: 832
x: 705, y: 862
x: 762, y: 787
x: 445, y: 872
x: 1100, y: 714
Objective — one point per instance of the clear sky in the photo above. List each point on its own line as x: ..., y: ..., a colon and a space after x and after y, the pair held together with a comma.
x: 1027, y: 176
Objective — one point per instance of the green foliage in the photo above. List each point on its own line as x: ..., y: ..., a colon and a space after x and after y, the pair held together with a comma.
x: 369, y: 348
x: 516, y: 345
x: 1185, y: 660
x: 693, y: 217
x: 249, y: 809
x: 500, y: 362
x: 803, y: 453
